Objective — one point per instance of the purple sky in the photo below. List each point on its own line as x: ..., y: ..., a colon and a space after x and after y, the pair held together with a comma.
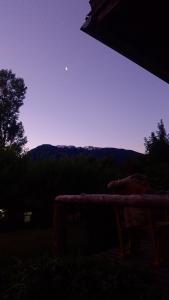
x: 103, y: 99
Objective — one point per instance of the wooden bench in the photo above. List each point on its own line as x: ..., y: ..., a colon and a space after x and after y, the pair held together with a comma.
x: 151, y: 203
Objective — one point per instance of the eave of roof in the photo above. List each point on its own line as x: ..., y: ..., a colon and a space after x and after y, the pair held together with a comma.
x: 137, y: 29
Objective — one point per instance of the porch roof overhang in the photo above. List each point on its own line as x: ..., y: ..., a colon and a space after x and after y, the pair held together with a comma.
x: 137, y: 29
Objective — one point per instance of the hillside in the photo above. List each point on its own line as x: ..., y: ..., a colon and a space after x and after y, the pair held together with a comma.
x: 56, y: 152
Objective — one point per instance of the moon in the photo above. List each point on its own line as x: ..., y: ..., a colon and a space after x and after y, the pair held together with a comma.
x: 66, y: 68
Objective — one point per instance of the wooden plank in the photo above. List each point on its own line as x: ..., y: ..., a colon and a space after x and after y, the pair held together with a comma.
x: 142, y: 200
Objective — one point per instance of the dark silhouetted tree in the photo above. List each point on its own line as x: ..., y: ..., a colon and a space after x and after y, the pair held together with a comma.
x: 157, y: 145
x: 12, y: 94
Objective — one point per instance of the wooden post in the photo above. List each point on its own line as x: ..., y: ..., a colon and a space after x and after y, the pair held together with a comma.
x: 59, y: 229
x: 154, y: 238
x: 120, y: 231
x: 166, y: 214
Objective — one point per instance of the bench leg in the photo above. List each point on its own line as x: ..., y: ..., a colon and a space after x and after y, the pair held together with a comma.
x: 59, y: 229
x: 154, y: 239
x: 120, y: 232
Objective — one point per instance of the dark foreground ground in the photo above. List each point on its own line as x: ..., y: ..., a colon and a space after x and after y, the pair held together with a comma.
x: 29, y: 270
x: 26, y: 243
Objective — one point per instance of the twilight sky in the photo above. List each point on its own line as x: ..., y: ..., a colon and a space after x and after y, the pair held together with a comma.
x: 80, y: 92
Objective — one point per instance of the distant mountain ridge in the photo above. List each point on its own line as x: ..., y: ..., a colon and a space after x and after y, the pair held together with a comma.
x: 47, y: 151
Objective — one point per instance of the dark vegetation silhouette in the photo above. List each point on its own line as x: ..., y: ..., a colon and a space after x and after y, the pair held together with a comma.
x: 157, y: 145
x: 157, y: 158
x: 12, y: 94
x: 32, y: 185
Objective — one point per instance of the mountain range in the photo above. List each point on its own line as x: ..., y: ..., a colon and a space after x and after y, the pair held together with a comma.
x: 47, y: 151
